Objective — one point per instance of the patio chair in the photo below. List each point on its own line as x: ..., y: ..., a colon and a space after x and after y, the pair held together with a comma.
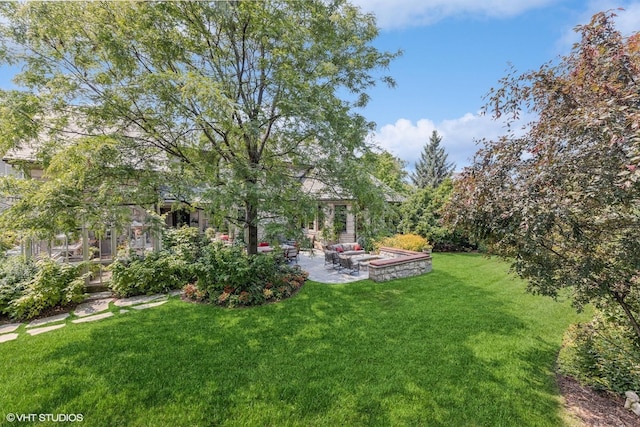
x: 329, y: 257
x: 348, y: 264
x: 292, y: 254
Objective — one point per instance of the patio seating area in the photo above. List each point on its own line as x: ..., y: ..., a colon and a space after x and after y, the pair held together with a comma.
x: 321, y: 267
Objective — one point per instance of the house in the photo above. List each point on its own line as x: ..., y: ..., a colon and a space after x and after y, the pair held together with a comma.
x: 335, y: 219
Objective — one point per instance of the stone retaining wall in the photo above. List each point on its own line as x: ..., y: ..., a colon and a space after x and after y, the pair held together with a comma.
x: 399, y: 263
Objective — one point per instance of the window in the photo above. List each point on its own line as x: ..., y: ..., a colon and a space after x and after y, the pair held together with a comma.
x: 320, y: 218
x: 340, y: 218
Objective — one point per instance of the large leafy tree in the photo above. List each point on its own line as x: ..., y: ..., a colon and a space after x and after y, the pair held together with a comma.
x: 432, y: 168
x: 388, y: 169
x: 563, y: 200
x: 239, y: 97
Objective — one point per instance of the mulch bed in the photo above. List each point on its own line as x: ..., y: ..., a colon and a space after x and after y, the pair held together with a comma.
x: 595, y: 408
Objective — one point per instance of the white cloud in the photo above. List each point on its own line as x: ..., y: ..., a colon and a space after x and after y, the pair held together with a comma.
x: 406, y: 140
x: 627, y: 20
x: 412, y: 13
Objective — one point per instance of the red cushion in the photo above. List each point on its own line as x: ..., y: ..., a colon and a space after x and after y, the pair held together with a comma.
x: 357, y: 247
x: 263, y: 244
x: 339, y: 249
x: 224, y: 237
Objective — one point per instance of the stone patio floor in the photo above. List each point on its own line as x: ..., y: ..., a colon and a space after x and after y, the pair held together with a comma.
x: 98, y: 309
x: 313, y: 263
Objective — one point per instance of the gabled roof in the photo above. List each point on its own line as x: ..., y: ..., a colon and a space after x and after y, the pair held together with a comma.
x: 324, y: 192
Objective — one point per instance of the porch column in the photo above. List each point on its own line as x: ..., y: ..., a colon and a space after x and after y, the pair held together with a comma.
x: 85, y: 243
x: 114, y: 244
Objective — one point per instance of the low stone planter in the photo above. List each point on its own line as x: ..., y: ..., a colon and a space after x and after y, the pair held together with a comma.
x: 399, y: 263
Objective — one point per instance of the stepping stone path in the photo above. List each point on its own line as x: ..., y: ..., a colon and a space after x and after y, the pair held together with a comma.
x: 142, y: 299
x: 9, y: 327
x: 37, y: 331
x: 45, y: 320
x: 92, y: 307
x: 92, y: 318
x: 8, y: 337
x: 91, y: 310
x: 151, y: 304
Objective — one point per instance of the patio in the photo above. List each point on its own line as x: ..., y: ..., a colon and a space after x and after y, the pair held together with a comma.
x: 313, y: 263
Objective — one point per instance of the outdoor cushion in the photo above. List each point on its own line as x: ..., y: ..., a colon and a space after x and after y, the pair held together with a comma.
x: 263, y: 244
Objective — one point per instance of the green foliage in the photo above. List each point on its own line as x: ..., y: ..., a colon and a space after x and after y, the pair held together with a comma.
x: 54, y: 284
x: 8, y: 240
x: 15, y: 273
x: 602, y: 354
x: 222, y: 266
x: 410, y: 242
x: 227, y: 276
x: 561, y: 200
x: 162, y: 271
x: 389, y: 169
x: 155, y: 273
x: 185, y: 242
x: 421, y: 214
x: 432, y: 168
x: 261, y: 92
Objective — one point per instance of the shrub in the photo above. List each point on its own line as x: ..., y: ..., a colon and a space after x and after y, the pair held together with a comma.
x: 53, y: 285
x: 156, y: 272
x: 411, y: 242
x: 601, y: 354
x: 185, y: 242
x: 222, y: 266
x: 228, y: 277
x: 15, y: 274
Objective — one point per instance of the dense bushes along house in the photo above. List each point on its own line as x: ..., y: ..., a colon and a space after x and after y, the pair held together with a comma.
x: 28, y: 287
x: 208, y: 271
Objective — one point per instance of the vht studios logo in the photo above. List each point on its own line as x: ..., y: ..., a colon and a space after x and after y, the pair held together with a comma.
x: 55, y: 418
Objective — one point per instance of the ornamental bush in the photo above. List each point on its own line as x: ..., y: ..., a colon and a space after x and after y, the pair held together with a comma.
x: 601, y: 354
x: 229, y: 277
x: 53, y: 285
x: 15, y: 274
x: 156, y: 272
x: 410, y: 242
x: 185, y: 242
x: 208, y: 272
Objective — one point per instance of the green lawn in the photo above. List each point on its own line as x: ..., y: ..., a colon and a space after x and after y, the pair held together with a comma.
x: 461, y: 346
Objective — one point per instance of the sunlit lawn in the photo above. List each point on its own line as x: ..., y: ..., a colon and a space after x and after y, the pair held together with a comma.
x: 461, y: 346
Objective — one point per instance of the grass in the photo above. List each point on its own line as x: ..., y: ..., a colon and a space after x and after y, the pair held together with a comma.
x: 463, y: 345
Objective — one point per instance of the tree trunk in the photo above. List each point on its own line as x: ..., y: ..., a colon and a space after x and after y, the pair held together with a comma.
x: 251, y: 228
x: 632, y: 320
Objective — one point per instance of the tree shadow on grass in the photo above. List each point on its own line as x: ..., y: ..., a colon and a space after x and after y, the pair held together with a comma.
x: 425, y: 351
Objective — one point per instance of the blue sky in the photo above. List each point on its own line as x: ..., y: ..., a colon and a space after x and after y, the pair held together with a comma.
x: 454, y: 52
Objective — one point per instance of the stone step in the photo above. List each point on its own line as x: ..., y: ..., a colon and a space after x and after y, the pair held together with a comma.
x: 93, y: 288
x: 103, y: 277
x: 99, y: 295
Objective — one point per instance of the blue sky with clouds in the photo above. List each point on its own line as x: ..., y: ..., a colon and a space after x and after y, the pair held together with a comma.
x: 455, y: 51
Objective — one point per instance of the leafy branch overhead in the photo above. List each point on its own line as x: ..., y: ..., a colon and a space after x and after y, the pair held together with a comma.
x: 562, y: 201
x: 237, y: 96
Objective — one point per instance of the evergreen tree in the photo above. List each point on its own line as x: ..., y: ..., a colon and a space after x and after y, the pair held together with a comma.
x: 432, y: 168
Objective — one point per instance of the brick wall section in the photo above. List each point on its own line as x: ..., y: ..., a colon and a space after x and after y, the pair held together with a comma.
x: 400, y: 263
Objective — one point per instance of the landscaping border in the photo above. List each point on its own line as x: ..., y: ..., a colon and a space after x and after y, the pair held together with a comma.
x: 399, y: 263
